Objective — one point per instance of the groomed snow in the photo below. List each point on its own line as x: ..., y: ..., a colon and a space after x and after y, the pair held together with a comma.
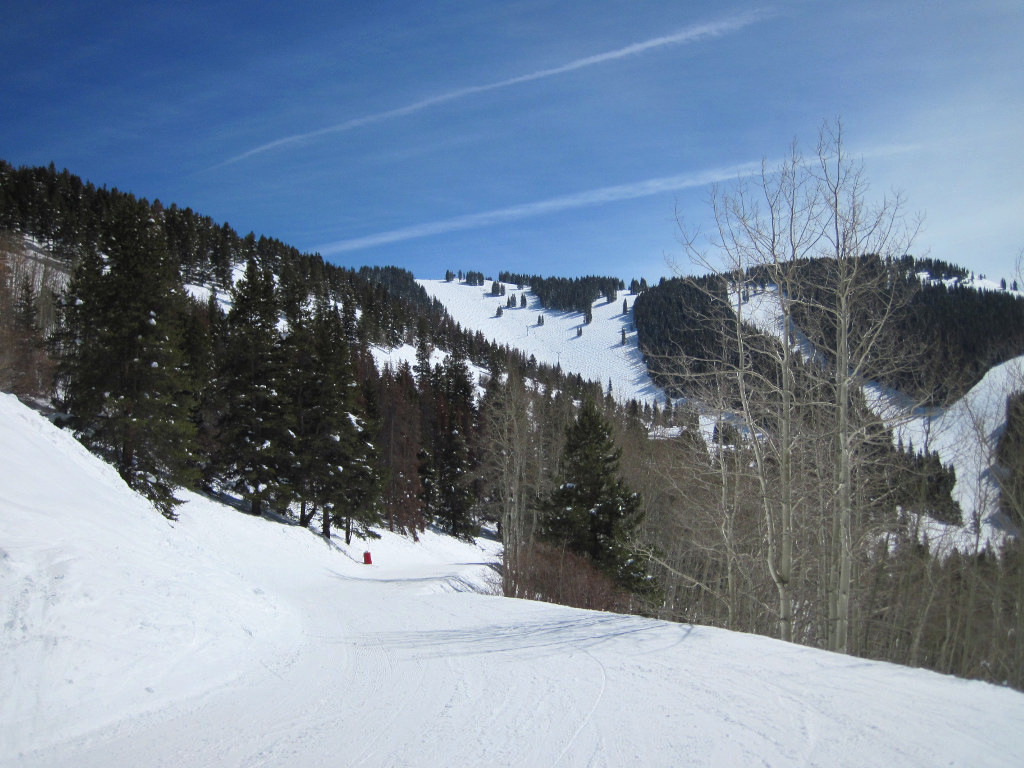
x: 598, y: 355
x: 223, y: 639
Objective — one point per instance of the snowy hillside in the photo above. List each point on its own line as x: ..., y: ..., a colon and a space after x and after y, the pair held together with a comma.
x: 965, y: 434
x: 598, y: 355
x: 223, y: 639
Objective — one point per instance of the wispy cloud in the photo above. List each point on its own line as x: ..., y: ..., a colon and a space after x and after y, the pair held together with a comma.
x: 689, y: 34
x: 586, y: 199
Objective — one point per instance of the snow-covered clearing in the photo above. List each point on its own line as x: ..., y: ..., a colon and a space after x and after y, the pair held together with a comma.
x: 598, y: 355
x: 223, y: 639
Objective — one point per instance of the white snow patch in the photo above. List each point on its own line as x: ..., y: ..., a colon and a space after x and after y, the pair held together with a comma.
x: 598, y: 355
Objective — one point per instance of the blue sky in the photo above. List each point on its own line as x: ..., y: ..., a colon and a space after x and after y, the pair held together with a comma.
x: 558, y: 138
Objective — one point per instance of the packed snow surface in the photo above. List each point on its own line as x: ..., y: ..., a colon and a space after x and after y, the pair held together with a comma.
x: 227, y: 640
x: 596, y: 355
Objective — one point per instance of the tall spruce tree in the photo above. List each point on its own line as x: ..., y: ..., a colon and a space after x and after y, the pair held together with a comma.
x: 357, y: 506
x: 399, y: 441
x: 252, y: 433
x: 122, y: 370
x: 592, y: 512
x: 448, y: 486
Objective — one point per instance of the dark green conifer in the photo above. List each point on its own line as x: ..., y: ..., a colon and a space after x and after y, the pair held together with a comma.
x: 593, y: 512
x: 122, y: 372
x: 251, y: 435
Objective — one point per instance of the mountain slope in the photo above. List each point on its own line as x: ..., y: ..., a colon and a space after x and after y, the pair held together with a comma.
x: 963, y: 435
x: 596, y: 355
x: 224, y: 639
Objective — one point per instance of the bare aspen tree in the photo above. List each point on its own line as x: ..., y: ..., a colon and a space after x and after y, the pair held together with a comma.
x: 508, y: 451
x: 768, y: 226
x: 860, y: 308
x: 805, y: 230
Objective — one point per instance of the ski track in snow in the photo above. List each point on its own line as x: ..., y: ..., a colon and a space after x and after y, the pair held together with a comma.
x: 227, y: 640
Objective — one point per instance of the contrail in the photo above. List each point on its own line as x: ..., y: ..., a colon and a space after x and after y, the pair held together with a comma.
x: 688, y: 35
x: 584, y: 199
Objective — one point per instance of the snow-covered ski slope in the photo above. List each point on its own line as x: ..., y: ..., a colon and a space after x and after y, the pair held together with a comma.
x: 598, y: 355
x: 964, y: 434
x: 227, y: 640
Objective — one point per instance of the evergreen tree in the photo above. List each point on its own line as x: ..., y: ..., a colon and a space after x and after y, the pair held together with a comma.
x: 593, y: 512
x: 450, y: 483
x: 357, y: 506
x: 122, y: 371
x: 400, y: 442
x: 203, y: 340
x: 252, y: 434
x: 25, y: 367
x: 315, y: 433
x: 1010, y: 457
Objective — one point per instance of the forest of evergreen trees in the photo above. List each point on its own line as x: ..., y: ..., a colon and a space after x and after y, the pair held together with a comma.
x: 276, y: 400
x: 567, y: 294
x: 964, y: 329
x: 265, y: 390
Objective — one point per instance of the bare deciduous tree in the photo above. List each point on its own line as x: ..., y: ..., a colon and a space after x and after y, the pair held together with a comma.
x: 796, y: 357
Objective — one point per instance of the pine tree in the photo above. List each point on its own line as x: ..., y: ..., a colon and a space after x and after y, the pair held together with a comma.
x: 357, y: 506
x: 449, y: 484
x: 400, y: 442
x: 25, y: 367
x: 312, y: 394
x: 593, y: 512
x: 252, y: 428
x: 122, y: 371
